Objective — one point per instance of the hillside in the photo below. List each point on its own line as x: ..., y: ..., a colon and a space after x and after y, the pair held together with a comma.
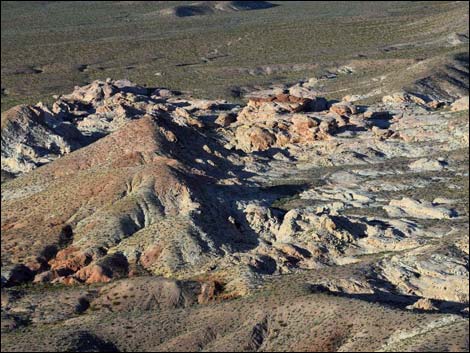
x: 304, y: 188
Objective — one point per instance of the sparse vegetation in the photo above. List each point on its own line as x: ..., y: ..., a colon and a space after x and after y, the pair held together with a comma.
x: 49, y: 47
x: 164, y: 222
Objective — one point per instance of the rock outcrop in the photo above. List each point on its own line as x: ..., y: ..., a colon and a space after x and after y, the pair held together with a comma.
x: 272, y: 120
x: 419, y: 209
x: 31, y: 137
x: 432, y: 276
x: 137, y: 181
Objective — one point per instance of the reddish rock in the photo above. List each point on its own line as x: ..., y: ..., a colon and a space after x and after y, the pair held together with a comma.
x: 282, y: 138
x: 70, y: 259
x: 255, y: 138
x: 261, y: 139
x: 289, y: 102
x: 225, y: 119
x: 302, y: 122
x: 94, y: 274
x: 305, y: 127
x: 343, y: 108
x: 436, y: 104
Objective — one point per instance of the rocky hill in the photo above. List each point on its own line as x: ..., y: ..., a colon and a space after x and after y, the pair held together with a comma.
x: 291, y: 222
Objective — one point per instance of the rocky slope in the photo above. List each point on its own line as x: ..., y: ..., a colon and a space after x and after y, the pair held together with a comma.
x: 116, y: 186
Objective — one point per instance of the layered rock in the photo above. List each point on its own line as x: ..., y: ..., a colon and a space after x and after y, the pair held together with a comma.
x: 266, y: 122
x: 103, y: 193
x: 168, y: 185
x: 432, y: 276
x: 35, y: 135
x: 295, y: 99
x: 31, y: 137
x: 419, y: 209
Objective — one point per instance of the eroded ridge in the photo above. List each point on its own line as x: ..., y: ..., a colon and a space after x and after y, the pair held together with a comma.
x: 116, y: 182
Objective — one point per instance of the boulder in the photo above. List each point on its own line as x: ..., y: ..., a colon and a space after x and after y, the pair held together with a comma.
x: 423, y: 304
x: 343, y: 108
x: 69, y: 260
x: 94, y: 274
x: 427, y: 165
x: 225, y: 119
x: 254, y: 138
